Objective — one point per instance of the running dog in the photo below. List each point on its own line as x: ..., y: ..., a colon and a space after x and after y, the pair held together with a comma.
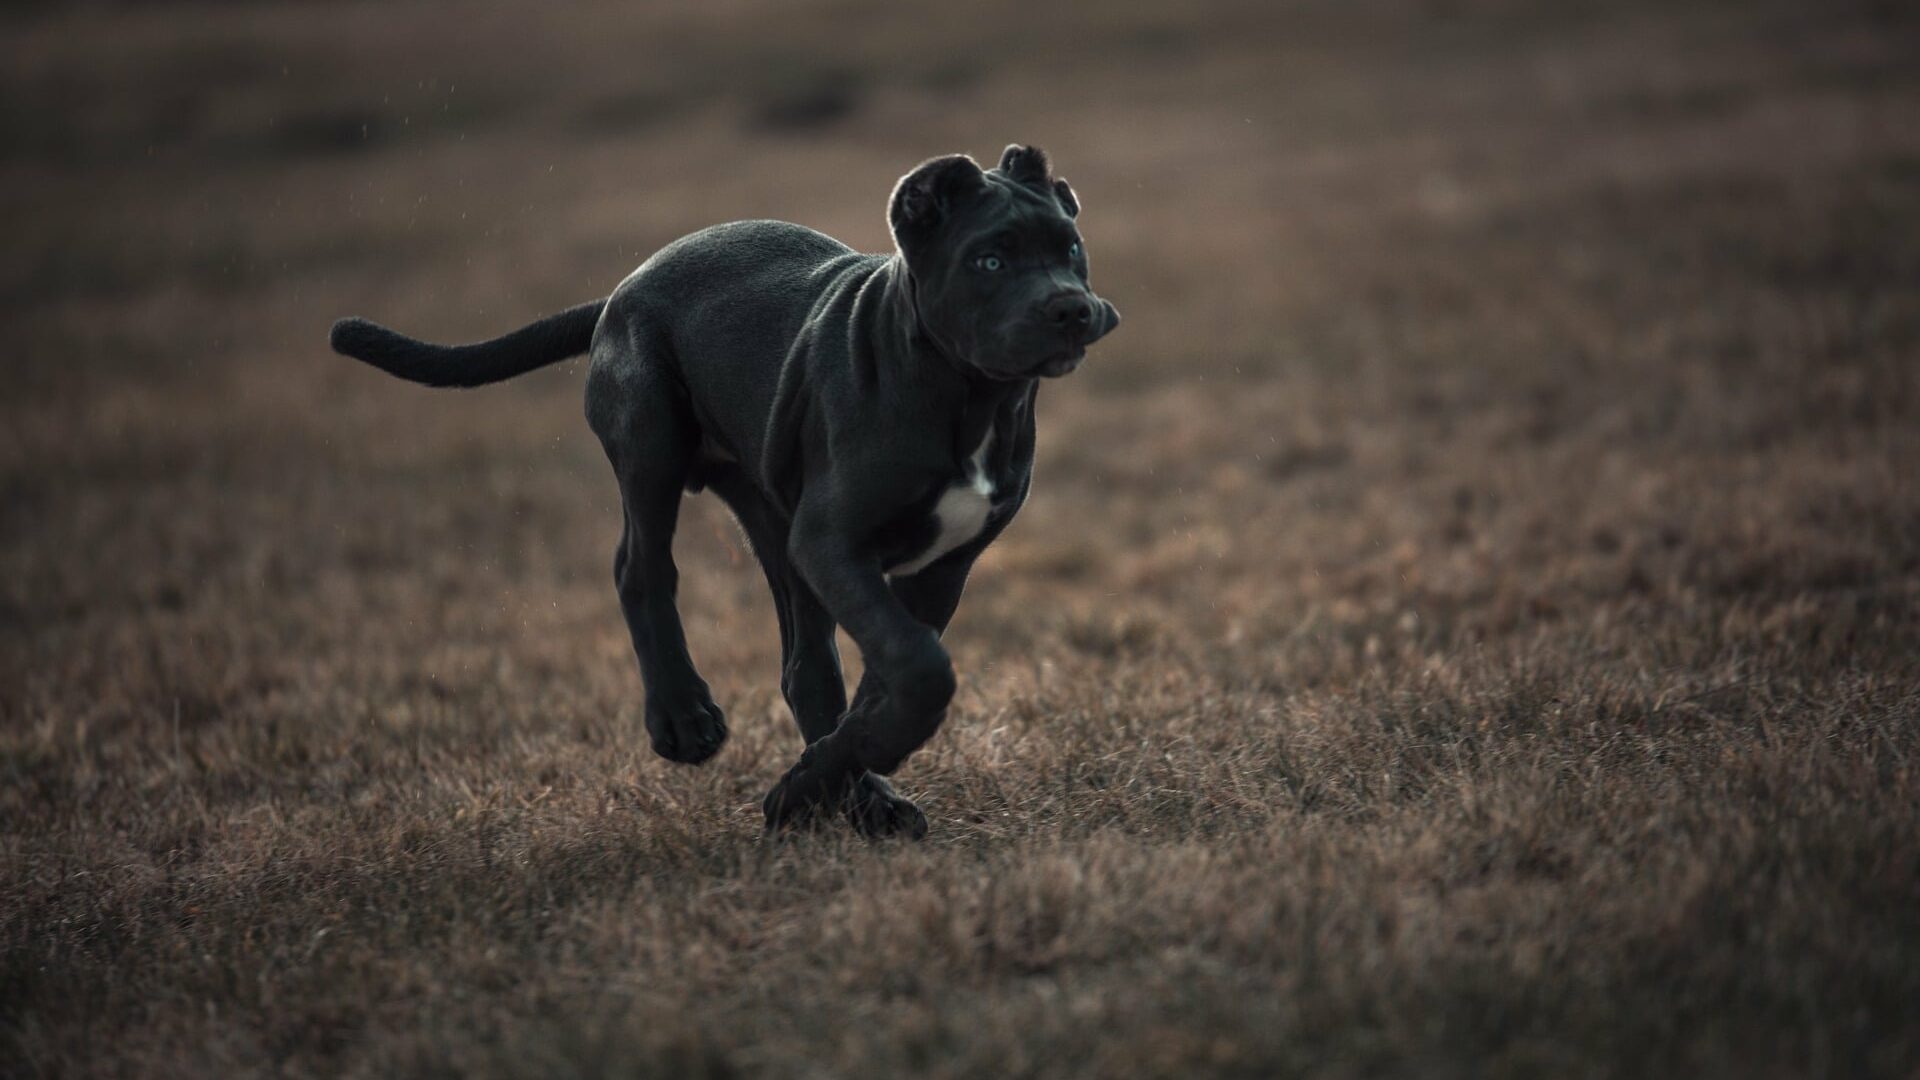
x: 869, y: 420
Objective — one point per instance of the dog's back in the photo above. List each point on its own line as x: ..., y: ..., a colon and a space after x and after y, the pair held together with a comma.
x: 727, y: 310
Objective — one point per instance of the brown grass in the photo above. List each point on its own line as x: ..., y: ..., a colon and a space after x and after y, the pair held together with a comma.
x: 1466, y: 622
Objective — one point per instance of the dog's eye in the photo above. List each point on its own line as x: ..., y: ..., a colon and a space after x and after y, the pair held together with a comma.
x: 1074, y: 251
x: 989, y: 263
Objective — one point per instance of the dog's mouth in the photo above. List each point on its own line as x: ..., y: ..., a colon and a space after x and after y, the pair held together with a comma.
x: 1051, y: 365
x: 1060, y: 363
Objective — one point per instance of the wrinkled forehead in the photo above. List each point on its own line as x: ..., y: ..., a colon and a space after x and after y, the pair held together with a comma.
x: 1014, y: 215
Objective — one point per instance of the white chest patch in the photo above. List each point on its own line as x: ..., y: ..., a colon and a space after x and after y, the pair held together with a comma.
x: 961, y: 512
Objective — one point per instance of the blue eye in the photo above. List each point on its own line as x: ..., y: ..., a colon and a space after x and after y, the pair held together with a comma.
x: 989, y: 263
x: 1074, y: 251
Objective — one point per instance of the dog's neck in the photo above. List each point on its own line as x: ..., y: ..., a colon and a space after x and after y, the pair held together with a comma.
x: 979, y: 398
x: 903, y: 309
x: 922, y: 344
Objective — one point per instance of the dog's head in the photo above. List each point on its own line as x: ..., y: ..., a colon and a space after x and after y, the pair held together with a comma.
x: 999, y: 269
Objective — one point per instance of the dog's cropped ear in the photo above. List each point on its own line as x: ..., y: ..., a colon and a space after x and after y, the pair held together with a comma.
x: 924, y: 197
x: 1026, y: 165
x: 1068, y: 201
x: 1029, y: 165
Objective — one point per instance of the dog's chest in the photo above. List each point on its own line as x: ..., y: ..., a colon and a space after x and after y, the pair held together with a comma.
x: 961, y: 511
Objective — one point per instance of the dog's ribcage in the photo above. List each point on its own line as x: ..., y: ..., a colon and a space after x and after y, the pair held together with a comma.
x: 961, y: 512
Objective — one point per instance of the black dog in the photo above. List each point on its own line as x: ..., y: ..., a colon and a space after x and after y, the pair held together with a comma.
x: 869, y: 419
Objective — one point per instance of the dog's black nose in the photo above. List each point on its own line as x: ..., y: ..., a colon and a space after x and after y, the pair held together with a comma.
x: 1071, y: 311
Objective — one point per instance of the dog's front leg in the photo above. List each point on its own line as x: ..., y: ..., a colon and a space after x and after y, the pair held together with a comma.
x: 932, y: 595
x: 902, y: 652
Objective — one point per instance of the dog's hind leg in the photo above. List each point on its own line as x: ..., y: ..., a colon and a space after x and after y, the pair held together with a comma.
x: 651, y: 437
x: 810, y: 676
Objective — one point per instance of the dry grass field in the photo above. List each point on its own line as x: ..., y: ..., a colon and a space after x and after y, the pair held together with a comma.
x: 1467, y: 621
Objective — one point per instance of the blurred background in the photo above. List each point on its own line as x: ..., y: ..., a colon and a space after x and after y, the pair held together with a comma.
x: 1467, y: 614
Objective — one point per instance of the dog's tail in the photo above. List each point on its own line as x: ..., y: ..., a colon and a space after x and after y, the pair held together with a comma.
x: 549, y: 341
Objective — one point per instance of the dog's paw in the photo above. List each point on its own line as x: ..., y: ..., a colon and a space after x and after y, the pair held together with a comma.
x: 689, y: 728
x: 818, y: 781
x: 877, y: 811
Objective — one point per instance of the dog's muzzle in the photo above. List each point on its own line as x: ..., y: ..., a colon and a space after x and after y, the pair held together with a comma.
x: 1075, y: 320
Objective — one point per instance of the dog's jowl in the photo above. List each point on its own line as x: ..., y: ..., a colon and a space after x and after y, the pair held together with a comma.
x: 868, y: 418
